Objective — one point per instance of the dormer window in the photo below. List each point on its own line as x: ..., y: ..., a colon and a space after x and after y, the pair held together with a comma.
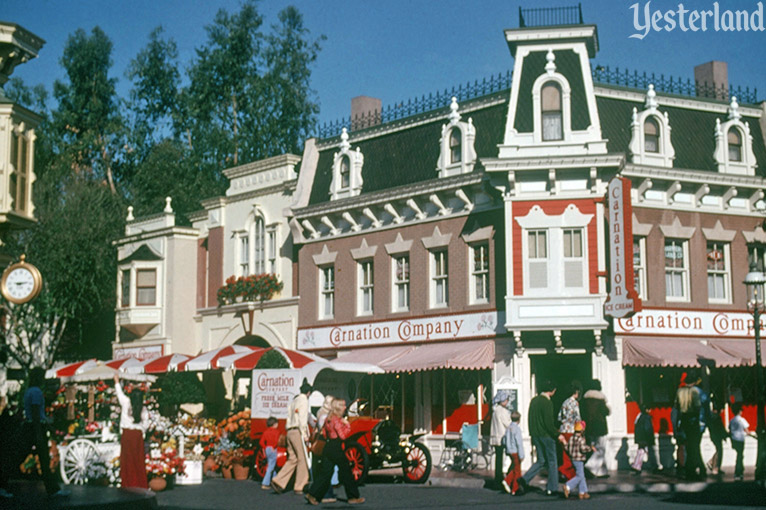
x: 552, y: 112
x: 457, y: 154
x: 455, y: 146
x: 734, y: 139
x: 345, y: 172
x: 651, y: 135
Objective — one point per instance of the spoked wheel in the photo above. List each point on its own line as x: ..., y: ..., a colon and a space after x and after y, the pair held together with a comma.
x: 417, y: 465
x: 74, y: 464
x: 359, y: 461
x: 261, y: 463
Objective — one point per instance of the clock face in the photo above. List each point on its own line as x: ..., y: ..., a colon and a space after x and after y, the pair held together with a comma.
x: 20, y: 283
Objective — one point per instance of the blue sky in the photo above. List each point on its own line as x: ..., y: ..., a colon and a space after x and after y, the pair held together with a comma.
x: 394, y: 49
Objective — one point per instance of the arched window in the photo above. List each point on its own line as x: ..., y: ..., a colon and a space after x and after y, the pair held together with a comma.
x: 651, y: 135
x: 734, y: 139
x: 455, y: 146
x: 259, y: 246
x: 552, y: 112
x: 345, y: 172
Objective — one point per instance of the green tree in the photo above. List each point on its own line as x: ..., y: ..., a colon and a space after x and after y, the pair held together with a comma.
x: 87, y: 126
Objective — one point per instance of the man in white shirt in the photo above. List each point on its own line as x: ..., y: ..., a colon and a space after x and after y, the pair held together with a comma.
x: 297, y: 436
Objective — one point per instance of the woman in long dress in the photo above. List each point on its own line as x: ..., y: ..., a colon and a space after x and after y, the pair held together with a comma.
x: 134, y: 419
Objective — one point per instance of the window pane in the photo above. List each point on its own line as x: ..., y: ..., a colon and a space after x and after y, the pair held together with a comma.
x: 542, y: 245
x: 146, y: 277
x: 146, y: 296
x: 552, y: 123
x: 125, y: 291
x: 345, y: 172
x: 551, y: 97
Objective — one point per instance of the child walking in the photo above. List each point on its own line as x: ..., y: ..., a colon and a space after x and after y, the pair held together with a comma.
x: 577, y: 448
x: 269, y: 442
x: 514, y: 447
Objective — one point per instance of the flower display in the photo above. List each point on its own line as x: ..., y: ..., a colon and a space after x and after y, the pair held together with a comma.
x: 256, y: 287
x: 163, y: 460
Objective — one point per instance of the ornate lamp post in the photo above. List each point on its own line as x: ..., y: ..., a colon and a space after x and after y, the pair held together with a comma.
x: 755, y: 281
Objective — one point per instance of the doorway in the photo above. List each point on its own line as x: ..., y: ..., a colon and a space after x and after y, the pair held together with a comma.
x: 562, y: 369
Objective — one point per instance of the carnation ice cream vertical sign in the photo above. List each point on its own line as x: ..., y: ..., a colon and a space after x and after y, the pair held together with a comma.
x: 273, y: 389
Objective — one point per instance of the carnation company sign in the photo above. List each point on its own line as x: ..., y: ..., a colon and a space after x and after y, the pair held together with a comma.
x: 426, y: 329
x: 687, y: 323
x: 140, y: 353
x: 622, y: 300
x: 273, y: 389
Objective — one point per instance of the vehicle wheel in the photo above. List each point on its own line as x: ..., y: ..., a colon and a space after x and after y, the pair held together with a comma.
x: 359, y: 461
x: 261, y: 463
x: 417, y: 465
x: 79, y: 454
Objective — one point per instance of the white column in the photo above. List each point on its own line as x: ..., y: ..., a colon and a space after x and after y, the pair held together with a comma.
x: 612, y: 376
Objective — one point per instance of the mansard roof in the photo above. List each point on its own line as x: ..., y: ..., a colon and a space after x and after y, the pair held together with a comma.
x: 693, y: 132
x: 402, y: 156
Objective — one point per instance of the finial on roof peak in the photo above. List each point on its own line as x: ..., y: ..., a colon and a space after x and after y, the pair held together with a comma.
x: 168, y: 207
x: 344, y: 145
x: 454, y: 116
x: 651, y: 98
x: 550, y: 67
x: 130, y: 216
x: 734, y: 109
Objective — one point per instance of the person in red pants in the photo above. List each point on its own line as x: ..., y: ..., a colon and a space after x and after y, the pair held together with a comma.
x: 569, y: 414
x: 134, y: 419
x: 514, y: 447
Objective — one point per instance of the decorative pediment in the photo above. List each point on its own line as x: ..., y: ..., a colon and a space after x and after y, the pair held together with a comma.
x: 479, y: 234
x: 399, y: 245
x: 571, y: 217
x: 142, y: 253
x: 718, y: 233
x: 650, y: 142
x: 436, y: 240
x: 756, y: 236
x: 734, y: 144
x: 364, y: 251
x: 641, y: 229
x: 326, y: 257
x: 676, y: 230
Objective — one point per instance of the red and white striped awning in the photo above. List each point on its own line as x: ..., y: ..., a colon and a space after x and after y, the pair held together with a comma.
x: 209, y: 360
x: 71, y: 369
x: 249, y: 360
x: 161, y: 365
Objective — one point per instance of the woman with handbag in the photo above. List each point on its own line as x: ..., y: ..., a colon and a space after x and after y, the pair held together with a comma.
x: 336, y: 429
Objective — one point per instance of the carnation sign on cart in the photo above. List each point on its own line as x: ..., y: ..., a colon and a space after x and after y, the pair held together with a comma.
x: 273, y: 389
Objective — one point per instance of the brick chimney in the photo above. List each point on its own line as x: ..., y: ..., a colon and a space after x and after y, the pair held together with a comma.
x: 712, y: 80
x: 365, y: 112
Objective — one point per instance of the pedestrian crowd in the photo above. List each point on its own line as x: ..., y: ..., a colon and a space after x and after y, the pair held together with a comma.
x: 572, y: 447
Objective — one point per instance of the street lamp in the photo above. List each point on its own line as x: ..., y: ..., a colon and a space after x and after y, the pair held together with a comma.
x: 755, y: 281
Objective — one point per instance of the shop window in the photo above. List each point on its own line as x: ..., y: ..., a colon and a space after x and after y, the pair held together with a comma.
x: 639, y: 266
x: 366, y: 287
x: 537, y: 244
x: 676, y: 270
x: 244, y: 255
x: 651, y: 135
x: 573, y: 258
x: 439, y: 279
x: 552, y: 114
x: 327, y: 292
x: 401, y: 300
x: 734, y: 142
x: 146, y: 287
x: 125, y: 289
x: 480, y: 273
x: 455, y: 146
x: 718, y: 281
x: 259, y: 248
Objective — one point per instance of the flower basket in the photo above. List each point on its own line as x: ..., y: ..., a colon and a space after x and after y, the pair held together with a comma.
x: 256, y: 287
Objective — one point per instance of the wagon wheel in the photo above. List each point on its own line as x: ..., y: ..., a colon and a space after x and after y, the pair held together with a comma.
x: 417, y: 465
x: 358, y: 460
x: 261, y: 463
x: 79, y: 454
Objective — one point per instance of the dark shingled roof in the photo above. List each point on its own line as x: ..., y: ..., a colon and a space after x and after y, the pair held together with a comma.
x: 567, y: 64
x: 692, y: 133
x: 410, y: 155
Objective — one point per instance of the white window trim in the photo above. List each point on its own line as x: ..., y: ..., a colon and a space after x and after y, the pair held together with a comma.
x: 665, y: 153
x: 356, y: 161
x: 721, y: 154
x: 566, y: 108
x: 684, y: 272
x: 445, y: 166
x: 395, y: 283
x: 581, y: 260
x: 323, y: 313
x: 272, y: 248
x: 726, y: 272
x: 473, y: 274
x: 433, y: 278
x: 133, y: 292
x: 361, y: 287
x: 642, y: 268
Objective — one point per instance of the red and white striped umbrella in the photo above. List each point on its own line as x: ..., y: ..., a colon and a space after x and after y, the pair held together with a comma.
x: 209, y: 360
x: 71, y: 369
x: 249, y: 360
x: 161, y: 365
x: 123, y: 364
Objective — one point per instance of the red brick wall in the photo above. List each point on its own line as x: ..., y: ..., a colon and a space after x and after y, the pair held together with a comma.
x: 215, y: 264
x: 201, y: 273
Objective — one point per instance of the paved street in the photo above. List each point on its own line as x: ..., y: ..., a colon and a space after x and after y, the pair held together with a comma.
x: 227, y: 494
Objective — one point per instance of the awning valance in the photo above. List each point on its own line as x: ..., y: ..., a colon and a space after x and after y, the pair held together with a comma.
x: 740, y: 348
x: 461, y: 355
x: 674, y: 352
